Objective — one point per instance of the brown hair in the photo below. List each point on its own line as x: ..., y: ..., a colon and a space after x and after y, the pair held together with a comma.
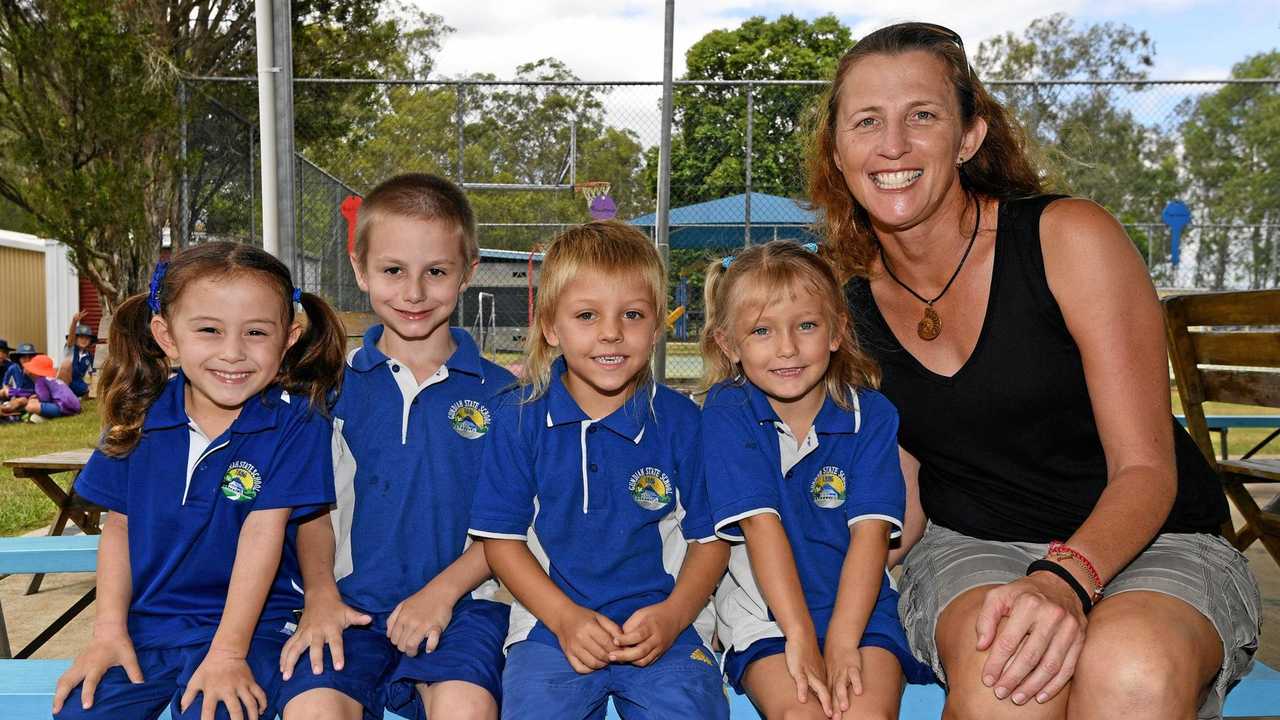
x: 608, y: 246
x: 422, y: 197
x: 763, y: 272
x: 999, y: 169
x: 136, y: 369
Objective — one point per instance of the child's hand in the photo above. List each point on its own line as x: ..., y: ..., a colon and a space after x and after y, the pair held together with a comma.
x: 322, y: 623
x: 844, y: 670
x: 423, y: 615
x: 224, y: 677
x: 586, y: 637
x: 646, y: 635
x: 805, y: 665
x: 105, y: 651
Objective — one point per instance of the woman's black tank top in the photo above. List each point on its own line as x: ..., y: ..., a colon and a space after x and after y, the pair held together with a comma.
x: 1008, y: 446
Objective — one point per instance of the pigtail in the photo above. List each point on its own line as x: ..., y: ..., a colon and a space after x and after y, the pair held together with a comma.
x: 716, y: 365
x: 312, y: 367
x: 133, y: 376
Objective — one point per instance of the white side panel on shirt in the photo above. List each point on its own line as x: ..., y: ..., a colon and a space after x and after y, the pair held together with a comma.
x: 342, y: 517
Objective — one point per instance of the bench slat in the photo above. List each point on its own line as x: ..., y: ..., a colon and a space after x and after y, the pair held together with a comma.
x: 46, y: 554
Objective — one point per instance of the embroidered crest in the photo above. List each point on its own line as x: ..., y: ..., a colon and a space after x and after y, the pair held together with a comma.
x: 242, y: 482
x: 469, y: 419
x: 828, y: 488
x: 650, y: 488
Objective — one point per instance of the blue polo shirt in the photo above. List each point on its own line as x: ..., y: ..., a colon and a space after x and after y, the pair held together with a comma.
x: 15, y: 378
x: 845, y: 470
x: 81, y: 365
x: 407, y: 478
x: 611, y: 502
x: 187, y: 497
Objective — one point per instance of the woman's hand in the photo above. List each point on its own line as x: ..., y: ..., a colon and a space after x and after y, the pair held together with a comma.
x: 1034, y: 628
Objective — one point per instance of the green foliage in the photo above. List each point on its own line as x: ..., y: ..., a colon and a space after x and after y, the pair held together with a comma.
x: 1088, y: 144
x: 710, y: 122
x: 1231, y: 151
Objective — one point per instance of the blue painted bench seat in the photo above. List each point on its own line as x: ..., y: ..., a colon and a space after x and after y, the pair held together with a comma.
x: 26, y: 691
x: 48, y: 554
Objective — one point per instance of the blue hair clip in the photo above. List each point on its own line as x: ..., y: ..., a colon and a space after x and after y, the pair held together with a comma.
x: 728, y: 260
x: 297, y: 295
x: 810, y: 246
x: 157, y: 280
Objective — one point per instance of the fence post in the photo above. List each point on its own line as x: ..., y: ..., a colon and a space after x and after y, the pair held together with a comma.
x: 664, y: 182
x: 746, y: 221
x: 462, y: 142
x: 253, y: 191
x: 184, y: 211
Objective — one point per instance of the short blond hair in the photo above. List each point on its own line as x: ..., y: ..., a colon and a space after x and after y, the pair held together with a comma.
x: 422, y: 197
x: 609, y: 247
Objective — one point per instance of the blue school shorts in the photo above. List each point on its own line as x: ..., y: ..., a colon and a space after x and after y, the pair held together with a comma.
x: 380, y: 677
x: 165, y: 673
x: 684, y: 683
x: 50, y: 410
x: 883, y: 631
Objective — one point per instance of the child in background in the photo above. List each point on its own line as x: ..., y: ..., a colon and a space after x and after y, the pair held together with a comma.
x: 592, y: 501
x: 807, y: 472
x: 16, y: 383
x: 52, y: 397
x: 77, y: 362
x: 204, y: 474
x: 414, y: 412
x: 5, y: 362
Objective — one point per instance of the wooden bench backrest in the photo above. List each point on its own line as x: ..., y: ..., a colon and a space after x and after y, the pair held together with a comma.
x: 1225, y: 347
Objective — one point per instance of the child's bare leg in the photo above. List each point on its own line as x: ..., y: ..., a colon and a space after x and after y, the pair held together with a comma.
x: 323, y: 704
x: 881, y: 687
x: 457, y: 700
x: 773, y: 692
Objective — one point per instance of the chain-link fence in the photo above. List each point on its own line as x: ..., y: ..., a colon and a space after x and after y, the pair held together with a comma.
x: 738, y: 173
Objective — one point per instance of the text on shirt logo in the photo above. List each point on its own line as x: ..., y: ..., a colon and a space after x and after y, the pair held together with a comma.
x: 242, y: 482
x: 828, y: 488
x: 469, y: 419
x: 650, y: 488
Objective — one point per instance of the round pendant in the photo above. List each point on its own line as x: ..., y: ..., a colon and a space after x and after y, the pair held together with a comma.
x: 930, y: 325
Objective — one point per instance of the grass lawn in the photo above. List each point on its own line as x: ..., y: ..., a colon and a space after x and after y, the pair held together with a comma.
x: 22, y: 506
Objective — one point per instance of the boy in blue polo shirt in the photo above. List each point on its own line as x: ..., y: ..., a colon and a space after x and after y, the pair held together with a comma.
x: 807, y: 485
x: 592, y: 504
x: 410, y: 623
x: 77, y: 362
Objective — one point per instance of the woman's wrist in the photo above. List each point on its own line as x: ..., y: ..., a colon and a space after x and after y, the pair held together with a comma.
x: 1049, y: 566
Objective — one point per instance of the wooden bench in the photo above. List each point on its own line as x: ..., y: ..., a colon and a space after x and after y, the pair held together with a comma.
x: 71, y: 507
x: 45, y: 554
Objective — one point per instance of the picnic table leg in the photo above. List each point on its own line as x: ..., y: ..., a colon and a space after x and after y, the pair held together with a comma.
x: 5, y: 652
x: 58, y: 526
x: 58, y: 624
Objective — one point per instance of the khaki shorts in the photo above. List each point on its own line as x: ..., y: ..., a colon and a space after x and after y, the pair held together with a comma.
x: 1203, y: 571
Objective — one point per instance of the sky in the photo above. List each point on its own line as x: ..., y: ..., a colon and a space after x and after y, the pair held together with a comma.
x: 622, y: 39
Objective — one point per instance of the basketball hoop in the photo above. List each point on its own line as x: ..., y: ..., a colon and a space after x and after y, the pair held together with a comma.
x: 599, y: 204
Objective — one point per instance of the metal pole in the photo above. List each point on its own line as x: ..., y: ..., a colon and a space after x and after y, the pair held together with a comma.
x: 746, y: 224
x: 184, y: 212
x: 267, y: 125
x: 282, y: 53
x: 253, y: 193
x: 462, y: 143
x: 664, y: 181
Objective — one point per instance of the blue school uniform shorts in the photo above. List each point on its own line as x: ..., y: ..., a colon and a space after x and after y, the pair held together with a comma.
x: 165, y: 673
x: 883, y: 631
x: 540, y: 684
x: 380, y: 677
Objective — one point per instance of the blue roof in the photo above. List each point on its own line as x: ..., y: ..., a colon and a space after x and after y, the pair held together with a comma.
x: 719, y: 223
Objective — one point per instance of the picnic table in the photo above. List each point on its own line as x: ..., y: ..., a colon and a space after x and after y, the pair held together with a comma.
x: 40, y: 470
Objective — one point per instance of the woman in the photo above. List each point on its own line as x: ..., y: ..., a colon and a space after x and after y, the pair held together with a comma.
x: 1022, y: 341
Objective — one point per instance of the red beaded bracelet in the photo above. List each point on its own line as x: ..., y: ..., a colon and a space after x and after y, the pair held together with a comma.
x: 1059, y: 550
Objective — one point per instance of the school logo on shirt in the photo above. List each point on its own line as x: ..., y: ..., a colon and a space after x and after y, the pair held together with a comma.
x: 469, y: 419
x: 242, y: 482
x: 650, y: 488
x: 828, y: 488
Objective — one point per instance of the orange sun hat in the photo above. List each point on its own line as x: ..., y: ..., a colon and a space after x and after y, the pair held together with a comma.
x: 41, y: 365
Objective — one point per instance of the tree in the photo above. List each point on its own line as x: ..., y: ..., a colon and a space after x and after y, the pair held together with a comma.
x: 1086, y: 141
x: 1231, y: 149
x: 710, y: 121
x: 90, y: 117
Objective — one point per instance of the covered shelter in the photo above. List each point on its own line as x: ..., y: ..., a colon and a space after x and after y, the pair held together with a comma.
x: 723, y: 223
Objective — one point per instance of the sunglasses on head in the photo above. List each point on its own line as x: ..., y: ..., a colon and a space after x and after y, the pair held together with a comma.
x: 949, y: 34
